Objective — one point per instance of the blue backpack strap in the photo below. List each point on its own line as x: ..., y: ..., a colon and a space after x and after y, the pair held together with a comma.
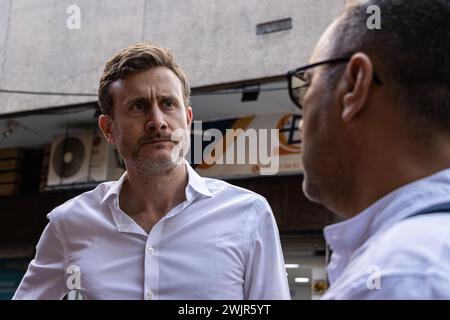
x: 438, y: 208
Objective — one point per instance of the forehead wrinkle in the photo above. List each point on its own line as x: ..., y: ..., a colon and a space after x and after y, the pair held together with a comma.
x: 138, y: 94
x: 163, y: 83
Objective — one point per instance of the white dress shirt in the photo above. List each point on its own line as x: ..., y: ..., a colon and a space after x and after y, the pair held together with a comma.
x: 222, y: 242
x: 389, y: 251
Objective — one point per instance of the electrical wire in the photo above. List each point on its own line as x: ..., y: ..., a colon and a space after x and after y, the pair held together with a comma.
x: 30, y: 130
x: 87, y: 108
x: 12, y: 127
x: 77, y: 94
x: 235, y: 91
x: 44, y: 93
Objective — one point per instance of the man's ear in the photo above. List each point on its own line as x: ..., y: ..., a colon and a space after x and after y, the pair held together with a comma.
x: 358, y: 77
x: 189, y: 116
x: 105, y: 124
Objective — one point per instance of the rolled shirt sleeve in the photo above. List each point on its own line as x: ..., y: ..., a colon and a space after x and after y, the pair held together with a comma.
x: 45, y: 277
x: 265, y: 275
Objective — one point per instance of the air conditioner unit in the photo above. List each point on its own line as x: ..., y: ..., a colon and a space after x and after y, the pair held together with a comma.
x: 105, y: 162
x: 82, y: 157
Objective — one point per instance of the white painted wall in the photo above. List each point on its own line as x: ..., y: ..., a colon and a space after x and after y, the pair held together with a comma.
x: 215, y: 41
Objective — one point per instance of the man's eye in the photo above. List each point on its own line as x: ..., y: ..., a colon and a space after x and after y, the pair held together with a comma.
x: 307, y: 78
x: 307, y: 81
x: 139, y: 106
x: 168, y: 104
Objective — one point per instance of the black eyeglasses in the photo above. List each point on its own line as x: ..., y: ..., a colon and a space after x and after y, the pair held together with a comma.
x: 297, y: 84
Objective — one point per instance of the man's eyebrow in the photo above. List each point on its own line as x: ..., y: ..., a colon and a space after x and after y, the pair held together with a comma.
x: 146, y: 99
x: 135, y: 99
x: 167, y: 97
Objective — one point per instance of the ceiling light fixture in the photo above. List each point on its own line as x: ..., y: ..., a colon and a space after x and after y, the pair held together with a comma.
x: 301, y: 280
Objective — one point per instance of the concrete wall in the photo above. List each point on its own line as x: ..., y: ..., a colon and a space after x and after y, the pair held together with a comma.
x: 215, y: 41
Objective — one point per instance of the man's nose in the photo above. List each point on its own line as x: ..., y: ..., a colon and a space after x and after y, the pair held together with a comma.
x: 155, y: 119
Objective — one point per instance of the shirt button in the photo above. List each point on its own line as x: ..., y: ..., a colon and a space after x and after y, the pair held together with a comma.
x: 149, y: 295
x: 150, y: 250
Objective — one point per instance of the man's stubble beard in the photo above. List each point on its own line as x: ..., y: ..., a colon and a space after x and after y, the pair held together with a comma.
x: 143, y: 163
x: 146, y: 164
x: 160, y: 163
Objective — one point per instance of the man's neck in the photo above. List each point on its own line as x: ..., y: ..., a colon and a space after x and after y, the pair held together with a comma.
x: 405, y: 164
x: 148, y: 197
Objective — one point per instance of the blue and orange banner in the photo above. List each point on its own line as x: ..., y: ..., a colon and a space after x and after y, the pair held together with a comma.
x: 247, y: 147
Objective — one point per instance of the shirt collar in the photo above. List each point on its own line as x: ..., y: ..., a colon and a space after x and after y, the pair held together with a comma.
x: 196, y: 185
x: 115, y: 188
x: 399, y: 204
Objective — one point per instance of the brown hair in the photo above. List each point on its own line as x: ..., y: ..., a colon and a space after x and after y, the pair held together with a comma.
x: 138, y: 57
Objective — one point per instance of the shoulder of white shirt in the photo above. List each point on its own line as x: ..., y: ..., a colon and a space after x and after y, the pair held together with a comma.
x: 215, y: 186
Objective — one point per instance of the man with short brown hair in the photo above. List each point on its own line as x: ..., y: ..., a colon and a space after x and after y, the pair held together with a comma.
x: 160, y: 231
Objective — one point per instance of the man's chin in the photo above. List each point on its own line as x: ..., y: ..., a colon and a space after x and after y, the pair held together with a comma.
x: 154, y: 162
x: 310, y: 192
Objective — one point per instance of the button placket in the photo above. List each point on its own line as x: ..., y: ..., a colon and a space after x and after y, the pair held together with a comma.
x: 152, y: 262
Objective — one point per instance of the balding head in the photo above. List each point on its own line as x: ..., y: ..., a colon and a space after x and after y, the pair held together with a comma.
x: 411, y: 49
x: 325, y: 47
x: 358, y: 131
